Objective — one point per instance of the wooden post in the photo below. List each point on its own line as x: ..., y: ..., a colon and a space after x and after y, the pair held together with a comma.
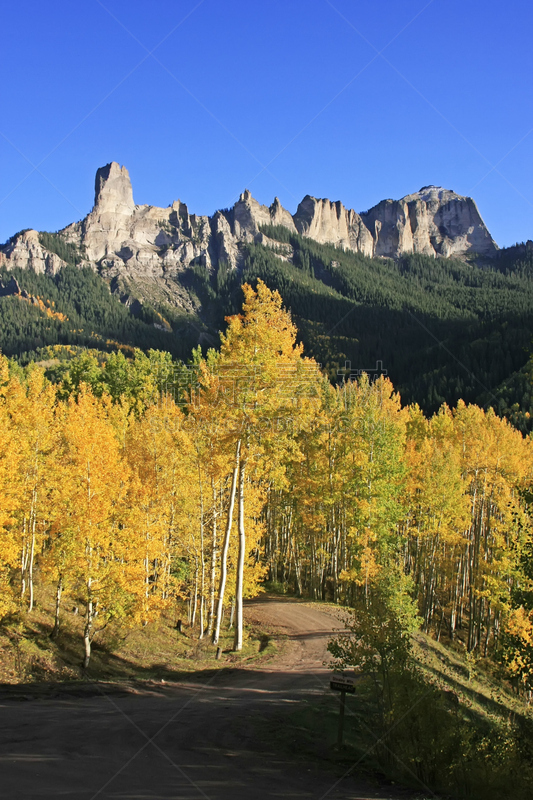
x: 341, y: 719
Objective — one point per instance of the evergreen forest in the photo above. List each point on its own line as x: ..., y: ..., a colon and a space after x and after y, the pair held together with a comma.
x: 76, y: 308
x: 441, y: 329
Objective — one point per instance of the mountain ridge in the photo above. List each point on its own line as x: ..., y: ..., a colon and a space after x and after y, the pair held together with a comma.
x: 149, y: 246
x: 444, y: 326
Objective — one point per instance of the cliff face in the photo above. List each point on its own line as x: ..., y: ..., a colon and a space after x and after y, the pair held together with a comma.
x: 433, y: 221
x: 26, y: 252
x: 332, y: 223
x: 149, y: 247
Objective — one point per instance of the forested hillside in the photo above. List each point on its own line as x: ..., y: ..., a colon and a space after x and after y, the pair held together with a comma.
x: 441, y: 329
x: 330, y: 487
x: 91, y: 316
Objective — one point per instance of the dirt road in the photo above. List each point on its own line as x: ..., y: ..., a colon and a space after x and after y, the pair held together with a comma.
x: 202, y: 739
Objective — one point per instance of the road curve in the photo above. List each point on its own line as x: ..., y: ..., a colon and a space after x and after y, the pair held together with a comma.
x: 196, y: 740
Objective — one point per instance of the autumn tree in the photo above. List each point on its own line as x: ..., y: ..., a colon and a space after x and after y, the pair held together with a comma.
x: 95, y: 545
x: 255, y: 380
x: 28, y: 456
x: 161, y: 502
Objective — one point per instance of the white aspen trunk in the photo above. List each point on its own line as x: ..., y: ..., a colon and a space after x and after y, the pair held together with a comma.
x: 194, y: 595
x: 88, y: 629
x: 298, y: 571
x: 23, y: 571
x: 225, y: 546
x: 146, y: 576
x: 212, y: 579
x: 189, y: 613
x: 32, y: 550
x: 202, y: 559
x: 237, y: 642
x: 201, y: 634
x: 24, y: 558
x: 59, y: 592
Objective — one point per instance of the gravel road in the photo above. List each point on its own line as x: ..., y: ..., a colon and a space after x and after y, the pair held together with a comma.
x: 195, y: 740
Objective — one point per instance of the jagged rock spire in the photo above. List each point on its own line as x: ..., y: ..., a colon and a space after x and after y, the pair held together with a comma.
x: 112, y: 190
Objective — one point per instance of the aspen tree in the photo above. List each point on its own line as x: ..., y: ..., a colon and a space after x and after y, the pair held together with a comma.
x: 162, y: 502
x: 10, y: 456
x: 29, y: 409
x: 93, y: 498
x: 248, y: 382
x: 437, y: 515
x: 495, y: 461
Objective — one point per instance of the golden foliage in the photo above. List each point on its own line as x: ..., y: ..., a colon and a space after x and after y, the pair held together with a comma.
x: 123, y: 505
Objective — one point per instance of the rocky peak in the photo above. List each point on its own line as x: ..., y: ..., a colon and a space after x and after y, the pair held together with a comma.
x: 149, y: 247
x: 107, y: 227
x: 249, y: 215
x: 432, y: 193
x: 433, y: 221
x: 330, y: 222
x: 390, y: 227
x: 280, y: 216
x: 112, y: 190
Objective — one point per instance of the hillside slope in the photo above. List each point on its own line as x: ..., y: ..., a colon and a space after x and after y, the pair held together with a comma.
x: 366, y: 290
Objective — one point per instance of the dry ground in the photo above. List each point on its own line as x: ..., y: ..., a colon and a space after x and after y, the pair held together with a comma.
x: 219, y: 735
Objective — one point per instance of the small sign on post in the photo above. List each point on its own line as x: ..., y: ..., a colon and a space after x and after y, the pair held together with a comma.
x: 342, y: 683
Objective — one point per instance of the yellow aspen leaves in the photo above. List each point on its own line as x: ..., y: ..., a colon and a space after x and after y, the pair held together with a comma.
x: 125, y: 500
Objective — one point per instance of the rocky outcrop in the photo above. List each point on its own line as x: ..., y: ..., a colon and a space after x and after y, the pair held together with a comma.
x: 148, y: 247
x: 10, y: 288
x: 332, y: 223
x: 112, y: 190
x: 26, y: 252
x: 225, y: 243
x: 433, y: 221
x: 142, y: 245
x: 249, y: 216
x: 141, y: 241
x: 389, y: 224
x: 108, y: 225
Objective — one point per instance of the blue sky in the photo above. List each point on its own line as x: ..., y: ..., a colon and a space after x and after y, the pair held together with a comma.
x: 354, y: 101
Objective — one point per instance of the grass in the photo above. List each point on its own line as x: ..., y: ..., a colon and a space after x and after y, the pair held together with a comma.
x: 477, y: 683
x: 308, y: 734
x: 156, y: 652
x: 459, y: 730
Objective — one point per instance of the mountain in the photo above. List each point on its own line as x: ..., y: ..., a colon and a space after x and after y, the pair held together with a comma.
x: 150, y: 246
x: 416, y: 284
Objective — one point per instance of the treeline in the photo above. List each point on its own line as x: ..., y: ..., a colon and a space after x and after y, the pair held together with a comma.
x: 131, y: 485
x: 445, y: 498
